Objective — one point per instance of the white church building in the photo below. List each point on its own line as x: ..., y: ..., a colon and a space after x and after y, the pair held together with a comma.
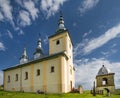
x: 53, y: 73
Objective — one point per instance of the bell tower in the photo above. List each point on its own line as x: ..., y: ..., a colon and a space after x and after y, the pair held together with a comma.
x: 61, y: 41
x: 105, y: 80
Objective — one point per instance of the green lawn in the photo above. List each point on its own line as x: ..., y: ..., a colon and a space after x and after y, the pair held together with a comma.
x: 4, y: 94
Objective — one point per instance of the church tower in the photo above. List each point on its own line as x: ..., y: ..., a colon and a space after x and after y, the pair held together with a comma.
x: 105, y: 80
x: 61, y: 41
x: 38, y: 53
x: 24, y: 57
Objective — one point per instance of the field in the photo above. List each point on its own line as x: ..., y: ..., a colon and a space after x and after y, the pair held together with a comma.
x: 4, y: 94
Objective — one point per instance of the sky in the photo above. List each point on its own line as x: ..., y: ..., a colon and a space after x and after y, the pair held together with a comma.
x: 94, y: 26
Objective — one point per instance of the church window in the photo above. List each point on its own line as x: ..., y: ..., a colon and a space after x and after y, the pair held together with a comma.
x: 57, y: 42
x: 104, y: 81
x: 38, y: 72
x: 16, y: 77
x: 8, y: 79
x: 26, y: 75
x: 52, y: 69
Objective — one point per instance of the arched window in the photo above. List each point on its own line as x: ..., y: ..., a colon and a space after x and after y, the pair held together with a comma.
x: 57, y: 42
x: 104, y: 81
x: 16, y: 77
x: 38, y: 72
x: 26, y: 75
x: 8, y: 79
x: 52, y: 69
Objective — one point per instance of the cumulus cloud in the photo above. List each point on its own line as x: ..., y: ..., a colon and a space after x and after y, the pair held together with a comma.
x: 2, y: 47
x: 28, y: 12
x: 50, y: 7
x: 1, y: 77
x: 89, y: 45
x: 6, y: 11
x: 87, y: 69
x: 24, y: 18
x: 87, y: 5
x: 30, y: 6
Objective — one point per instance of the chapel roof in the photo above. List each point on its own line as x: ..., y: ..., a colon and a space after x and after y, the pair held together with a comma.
x: 103, y: 70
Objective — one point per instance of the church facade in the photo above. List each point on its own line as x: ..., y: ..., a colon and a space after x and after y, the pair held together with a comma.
x: 53, y: 73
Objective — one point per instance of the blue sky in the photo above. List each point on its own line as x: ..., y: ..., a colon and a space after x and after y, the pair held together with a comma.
x: 94, y: 26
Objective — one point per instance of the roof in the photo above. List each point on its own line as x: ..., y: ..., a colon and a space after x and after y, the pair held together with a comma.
x: 103, y: 70
x: 38, y: 60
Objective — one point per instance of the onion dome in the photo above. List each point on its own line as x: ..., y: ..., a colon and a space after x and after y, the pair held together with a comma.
x: 61, y: 23
x: 38, y: 53
x: 24, y: 57
x: 103, y: 70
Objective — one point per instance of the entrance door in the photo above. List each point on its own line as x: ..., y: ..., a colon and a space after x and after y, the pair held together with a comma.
x: 106, y: 92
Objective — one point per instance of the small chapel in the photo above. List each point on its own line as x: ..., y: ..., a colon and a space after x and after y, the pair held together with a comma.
x: 105, y: 80
x: 53, y: 73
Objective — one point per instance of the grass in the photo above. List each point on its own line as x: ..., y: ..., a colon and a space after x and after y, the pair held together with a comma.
x: 4, y: 94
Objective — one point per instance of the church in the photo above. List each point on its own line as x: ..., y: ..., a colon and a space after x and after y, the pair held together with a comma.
x: 53, y: 73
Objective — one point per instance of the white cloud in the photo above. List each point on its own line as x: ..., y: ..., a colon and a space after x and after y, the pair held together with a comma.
x: 89, y: 45
x: 24, y: 18
x: 10, y: 34
x: 87, y: 33
x: 87, y: 5
x: 28, y: 13
x: 105, y: 53
x: 1, y: 77
x: 6, y: 10
x: 2, y: 47
x: 50, y: 7
x: 109, y: 52
x: 78, y: 49
x: 87, y: 70
x: 103, y: 39
x: 30, y: 6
